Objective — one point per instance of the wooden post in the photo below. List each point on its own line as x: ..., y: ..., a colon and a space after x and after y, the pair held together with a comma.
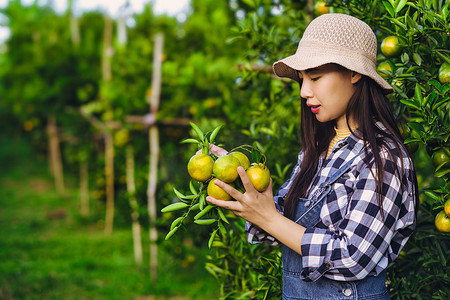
x: 84, y: 189
x: 109, y: 173
x: 153, y: 101
x: 55, y: 154
x: 109, y: 145
x: 131, y: 189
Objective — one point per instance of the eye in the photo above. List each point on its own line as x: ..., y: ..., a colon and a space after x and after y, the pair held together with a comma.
x: 315, y: 78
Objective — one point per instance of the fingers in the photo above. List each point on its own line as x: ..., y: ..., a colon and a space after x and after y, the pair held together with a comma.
x: 216, y: 150
x: 268, y: 190
x: 231, y: 205
x: 248, y: 185
x: 228, y: 189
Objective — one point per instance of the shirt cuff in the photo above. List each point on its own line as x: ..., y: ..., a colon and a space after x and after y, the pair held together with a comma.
x: 316, y: 259
x: 255, y: 235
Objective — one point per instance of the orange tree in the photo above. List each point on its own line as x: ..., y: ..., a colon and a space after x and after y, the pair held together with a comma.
x: 416, y: 52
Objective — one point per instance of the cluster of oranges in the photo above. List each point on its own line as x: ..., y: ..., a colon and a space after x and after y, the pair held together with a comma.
x: 442, y: 220
x: 203, y: 168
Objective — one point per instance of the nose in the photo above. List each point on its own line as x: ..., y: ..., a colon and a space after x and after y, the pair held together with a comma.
x: 305, y: 89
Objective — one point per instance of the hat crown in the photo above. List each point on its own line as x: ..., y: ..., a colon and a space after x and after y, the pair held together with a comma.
x: 342, y: 30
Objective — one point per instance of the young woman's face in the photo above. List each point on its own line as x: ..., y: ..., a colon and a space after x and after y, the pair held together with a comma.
x: 327, y: 90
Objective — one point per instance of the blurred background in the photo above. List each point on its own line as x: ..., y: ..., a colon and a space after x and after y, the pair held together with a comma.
x: 96, y: 96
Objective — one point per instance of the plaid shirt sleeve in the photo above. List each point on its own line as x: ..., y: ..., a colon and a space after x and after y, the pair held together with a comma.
x: 256, y: 235
x: 364, y: 240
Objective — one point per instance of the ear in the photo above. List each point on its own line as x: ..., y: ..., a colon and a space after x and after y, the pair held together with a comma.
x: 355, y: 77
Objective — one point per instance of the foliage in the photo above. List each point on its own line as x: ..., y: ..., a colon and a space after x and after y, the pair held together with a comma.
x: 49, y: 252
x: 420, y: 100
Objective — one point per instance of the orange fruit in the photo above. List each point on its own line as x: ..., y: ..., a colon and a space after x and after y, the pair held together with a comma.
x: 259, y: 175
x: 384, y: 66
x: 390, y: 46
x: 200, y: 167
x: 444, y: 73
x: 442, y: 222
x: 225, y: 168
x: 321, y: 8
x: 441, y: 157
x: 447, y: 208
x: 243, y: 159
x: 217, y: 192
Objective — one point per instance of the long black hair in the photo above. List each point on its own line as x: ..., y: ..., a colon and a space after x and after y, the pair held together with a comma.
x: 367, y: 106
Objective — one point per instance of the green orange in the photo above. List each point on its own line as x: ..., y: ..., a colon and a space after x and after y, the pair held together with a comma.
x: 442, y: 156
x: 259, y: 175
x: 444, y: 73
x: 447, y: 208
x: 384, y: 66
x: 225, y: 168
x: 321, y: 8
x: 243, y: 159
x: 217, y: 192
x: 200, y: 167
x: 442, y: 222
x: 390, y: 46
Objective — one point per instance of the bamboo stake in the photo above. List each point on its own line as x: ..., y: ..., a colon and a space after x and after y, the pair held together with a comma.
x: 55, y: 154
x: 131, y: 189
x: 109, y: 146
x: 153, y: 100
x: 84, y: 189
x: 109, y: 173
x: 74, y: 28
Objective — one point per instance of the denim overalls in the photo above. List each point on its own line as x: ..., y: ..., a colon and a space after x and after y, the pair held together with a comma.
x: 307, y: 214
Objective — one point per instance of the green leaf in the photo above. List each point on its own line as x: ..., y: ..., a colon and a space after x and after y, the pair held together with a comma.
x: 213, y: 135
x: 179, y: 195
x: 205, y: 221
x: 400, y: 5
x: 417, y: 127
x: 418, y: 94
x: 202, y: 201
x: 411, y: 140
x: 172, y: 232
x: 410, y: 103
x: 174, y: 207
x: 222, y: 228
x: 441, y: 173
x: 203, y: 212
x: 190, y: 141
x: 197, y: 130
x: 417, y: 58
x: 222, y: 215
x: 176, y: 222
x: 389, y: 8
x: 432, y: 195
x: 211, y: 239
x: 399, y: 24
x: 196, y: 206
x: 439, y: 102
x: 192, y: 188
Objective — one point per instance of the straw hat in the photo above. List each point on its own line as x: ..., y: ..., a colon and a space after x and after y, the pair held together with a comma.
x: 335, y: 38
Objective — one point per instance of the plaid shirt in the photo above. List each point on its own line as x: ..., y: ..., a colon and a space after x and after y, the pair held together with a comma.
x: 352, y: 239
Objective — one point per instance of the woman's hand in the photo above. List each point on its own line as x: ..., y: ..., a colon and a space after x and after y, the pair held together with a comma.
x: 216, y: 150
x: 255, y: 207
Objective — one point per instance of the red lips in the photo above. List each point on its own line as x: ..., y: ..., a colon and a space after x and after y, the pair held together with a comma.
x: 314, y: 108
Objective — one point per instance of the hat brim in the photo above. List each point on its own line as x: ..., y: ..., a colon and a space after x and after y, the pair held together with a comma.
x: 312, y: 56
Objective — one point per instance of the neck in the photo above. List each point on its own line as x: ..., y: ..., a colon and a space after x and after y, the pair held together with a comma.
x: 341, y: 124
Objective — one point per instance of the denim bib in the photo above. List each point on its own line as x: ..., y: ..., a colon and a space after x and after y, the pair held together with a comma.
x: 307, y: 214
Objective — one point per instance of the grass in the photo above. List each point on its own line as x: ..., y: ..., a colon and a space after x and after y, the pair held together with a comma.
x: 48, y: 252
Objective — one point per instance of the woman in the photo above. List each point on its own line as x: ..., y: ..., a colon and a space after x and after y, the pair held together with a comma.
x: 349, y: 207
